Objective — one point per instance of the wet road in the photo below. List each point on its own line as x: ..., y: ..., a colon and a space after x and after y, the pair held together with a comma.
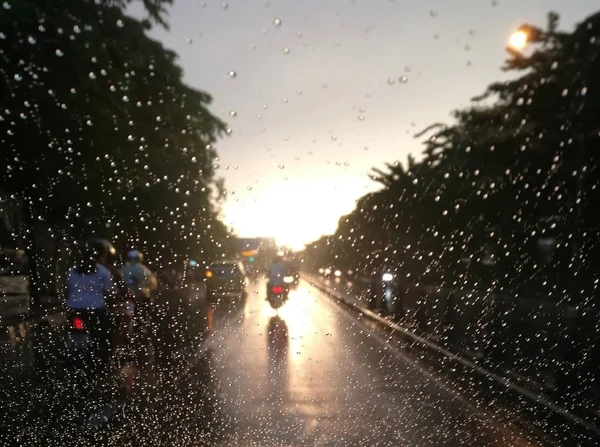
x: 311, y: 374
x: 332, y: 381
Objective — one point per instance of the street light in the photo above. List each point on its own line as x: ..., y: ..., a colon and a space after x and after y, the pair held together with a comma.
x: 518, y: 40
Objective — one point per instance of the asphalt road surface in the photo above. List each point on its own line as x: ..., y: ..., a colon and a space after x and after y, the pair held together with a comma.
x: 311, y: 374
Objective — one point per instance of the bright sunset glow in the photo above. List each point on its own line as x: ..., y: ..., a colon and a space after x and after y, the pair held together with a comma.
x: 294, y: 212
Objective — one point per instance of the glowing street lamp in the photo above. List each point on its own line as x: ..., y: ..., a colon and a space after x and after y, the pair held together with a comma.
x: 518, y: 40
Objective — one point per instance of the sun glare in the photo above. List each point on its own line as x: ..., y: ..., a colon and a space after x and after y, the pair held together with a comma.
x: 518, y: 40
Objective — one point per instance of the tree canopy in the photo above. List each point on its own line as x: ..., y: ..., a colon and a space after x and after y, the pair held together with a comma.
x: 98, y: 131
x: 508, y: 190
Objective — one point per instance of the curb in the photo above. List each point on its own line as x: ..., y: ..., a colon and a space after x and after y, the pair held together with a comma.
x: 532, y: 396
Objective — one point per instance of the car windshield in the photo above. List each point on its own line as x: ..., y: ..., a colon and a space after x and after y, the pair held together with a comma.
x: 299, y: 222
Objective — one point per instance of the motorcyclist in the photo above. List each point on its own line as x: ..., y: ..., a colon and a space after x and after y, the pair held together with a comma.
x: 277, y: 272
x: 142, y: 283
x: 89, y: 288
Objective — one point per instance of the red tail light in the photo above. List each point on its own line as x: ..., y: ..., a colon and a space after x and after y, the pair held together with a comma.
x: 78, y: 323
x: 277, y: 289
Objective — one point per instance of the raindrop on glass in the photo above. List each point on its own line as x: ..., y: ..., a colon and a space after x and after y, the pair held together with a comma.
x: 403, y: 79
x: 233, y: 113
x: 59, y: 52
x: 286, y: 51
x: 391, y: 81
x: 120, y: 23
x: 232, y: 74
x: 92, y: 75
x: 31, y: 40
x: 277, y: 22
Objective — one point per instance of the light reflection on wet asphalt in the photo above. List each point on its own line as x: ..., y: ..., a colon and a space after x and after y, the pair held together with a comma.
x: 309, y: 374
x: 332, y: 384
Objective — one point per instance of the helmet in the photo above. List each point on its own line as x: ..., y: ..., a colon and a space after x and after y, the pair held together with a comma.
x: 135, y: 256
x: 101, y: 247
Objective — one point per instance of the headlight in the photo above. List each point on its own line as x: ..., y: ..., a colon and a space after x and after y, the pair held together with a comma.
x: 387, y: 277
x: 288, y: 279
x: 338, y: 273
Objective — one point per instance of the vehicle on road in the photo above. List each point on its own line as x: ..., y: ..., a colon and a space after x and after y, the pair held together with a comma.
x: 278, y: 294
x: 226, y: 282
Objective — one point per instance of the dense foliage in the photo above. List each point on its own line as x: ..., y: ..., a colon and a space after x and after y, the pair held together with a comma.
x: 98, y: 132
x: 506, y: 195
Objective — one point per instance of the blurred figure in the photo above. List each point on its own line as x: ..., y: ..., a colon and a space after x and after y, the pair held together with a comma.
x: 277, y: 271
x: 143, y: 284
x: 89, y: 286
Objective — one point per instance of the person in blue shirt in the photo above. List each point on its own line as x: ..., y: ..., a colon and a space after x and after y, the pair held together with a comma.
x: 89, y: 287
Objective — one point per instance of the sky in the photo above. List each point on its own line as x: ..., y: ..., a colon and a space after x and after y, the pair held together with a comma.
x: 324, y: 90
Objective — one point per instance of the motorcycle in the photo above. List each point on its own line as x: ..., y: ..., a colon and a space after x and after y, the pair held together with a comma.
x: 278, y: 294
x: 87, y: 343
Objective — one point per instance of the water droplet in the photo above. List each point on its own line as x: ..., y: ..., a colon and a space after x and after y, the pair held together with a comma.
x: 130, y: 138
x: 298, y: 91
x: 565, y: 92
x: 92, y: 75
x: 284, y: 100
x: 361, y: 117
x: 436, y: 36
x: 18, y: 77
x: 433, y: 13
x: 232, y: 74
x: 281, y: 166
x: 189, y: 41
x: 229, y: 131
x: 233, y: 113
x: 89, y: 122
x: 59, y: 52
x: 286, y: 51
x: 554, y: 65
x: 158, y: 119
x: 2, y: 36
x: 112, y: 88
x: 6, y: 5
x: 224, y: 6
x: 277, y: 22
x: 584, y: 91
x: 299, y: 34
x: 125, y: 98
x: 391, y: 81
x: 76, y: 29
x: 403, y: 79
x: 333, y: 138
x: 120, y: 23
x: 31, y: 40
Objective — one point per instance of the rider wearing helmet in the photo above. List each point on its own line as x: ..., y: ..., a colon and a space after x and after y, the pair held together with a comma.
x: 89, y: 288
x: 142, y: 283
x: 277, y: 271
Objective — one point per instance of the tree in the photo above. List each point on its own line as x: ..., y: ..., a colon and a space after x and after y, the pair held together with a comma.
x: 100, y: 131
